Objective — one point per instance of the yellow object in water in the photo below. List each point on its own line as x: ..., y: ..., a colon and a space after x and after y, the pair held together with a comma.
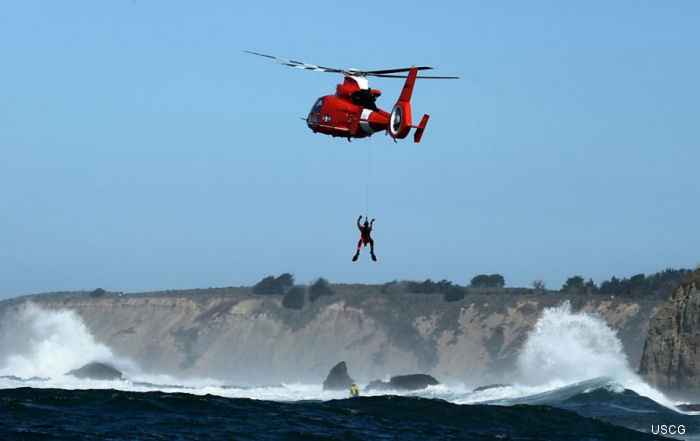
x: 354, y: 390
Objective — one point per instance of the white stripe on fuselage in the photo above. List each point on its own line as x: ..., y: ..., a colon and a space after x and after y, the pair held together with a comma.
x: 364, y: 121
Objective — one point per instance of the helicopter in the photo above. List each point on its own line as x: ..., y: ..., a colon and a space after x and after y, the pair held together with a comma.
x: 353, y: 113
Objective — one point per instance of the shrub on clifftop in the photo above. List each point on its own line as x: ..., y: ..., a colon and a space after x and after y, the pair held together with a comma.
x: 272, y: 285
x: 99, y: 292
x: 488, y: 281
x: 294, y: 299
x: 321, y: 287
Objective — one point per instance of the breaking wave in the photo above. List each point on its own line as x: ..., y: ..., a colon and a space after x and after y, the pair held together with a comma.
x: 41, y: 343
x: 568, y: 347
x: 565, y: 348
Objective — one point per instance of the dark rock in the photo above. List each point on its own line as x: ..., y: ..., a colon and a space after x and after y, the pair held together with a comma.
x: 377, y: 385
x: 404, y: 382
x: 671, y: 357
x: 97, y: 371
x: 338, y: 378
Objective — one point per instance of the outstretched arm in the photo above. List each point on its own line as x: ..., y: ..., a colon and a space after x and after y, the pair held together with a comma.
x: 358, y: 222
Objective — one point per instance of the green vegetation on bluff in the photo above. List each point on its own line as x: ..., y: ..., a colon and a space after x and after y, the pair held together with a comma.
x: 657, y: 286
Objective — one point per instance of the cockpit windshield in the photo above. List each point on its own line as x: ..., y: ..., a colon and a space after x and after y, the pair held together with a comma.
x: 317, y: 106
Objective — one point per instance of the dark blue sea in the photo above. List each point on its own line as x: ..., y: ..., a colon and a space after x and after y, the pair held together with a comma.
x: 599, y: 413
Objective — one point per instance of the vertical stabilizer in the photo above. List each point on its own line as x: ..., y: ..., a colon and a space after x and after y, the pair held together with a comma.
x: 400, y: 119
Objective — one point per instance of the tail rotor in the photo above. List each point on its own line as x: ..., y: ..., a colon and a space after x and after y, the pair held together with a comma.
x: 400, y: 122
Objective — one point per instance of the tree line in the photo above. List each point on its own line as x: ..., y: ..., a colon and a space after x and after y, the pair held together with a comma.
x: 658, y: 285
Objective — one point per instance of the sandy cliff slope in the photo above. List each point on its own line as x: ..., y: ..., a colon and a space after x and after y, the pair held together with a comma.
x: 236, y: 336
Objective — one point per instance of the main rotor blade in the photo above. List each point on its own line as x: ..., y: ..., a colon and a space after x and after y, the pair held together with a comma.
x: 350, y: 72
x: 400, y: 69
x: 298, y: 64
x: 419, y: 77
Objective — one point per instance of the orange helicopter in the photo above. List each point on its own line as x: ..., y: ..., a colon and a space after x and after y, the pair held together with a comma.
x: 353, y: 113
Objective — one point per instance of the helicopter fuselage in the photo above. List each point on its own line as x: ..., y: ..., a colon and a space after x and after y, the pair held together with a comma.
x: 350, y: 113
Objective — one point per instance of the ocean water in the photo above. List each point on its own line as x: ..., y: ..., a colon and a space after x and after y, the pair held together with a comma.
x: 574, y: 384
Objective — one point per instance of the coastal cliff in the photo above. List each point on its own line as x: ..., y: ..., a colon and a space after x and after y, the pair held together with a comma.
x: 671, y: 356
x: 235, y: 335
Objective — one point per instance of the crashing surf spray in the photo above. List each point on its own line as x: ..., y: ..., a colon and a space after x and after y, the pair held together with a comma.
x: 38, y: 347
x: 35, y: 342
x: 566, y: 348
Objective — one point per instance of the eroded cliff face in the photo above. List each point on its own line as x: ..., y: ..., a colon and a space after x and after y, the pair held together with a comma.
x: 671, y: 357
x: 235, y: 336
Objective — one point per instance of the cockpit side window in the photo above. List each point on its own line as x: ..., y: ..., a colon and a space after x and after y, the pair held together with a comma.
x: 317, y: 106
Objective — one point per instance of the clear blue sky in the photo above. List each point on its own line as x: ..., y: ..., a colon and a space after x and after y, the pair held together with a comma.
x: 141, y: 149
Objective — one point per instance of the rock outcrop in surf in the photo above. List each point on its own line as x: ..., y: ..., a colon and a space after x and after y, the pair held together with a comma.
x: 404, y: 382
x: 338, y: 378
x: 97, y: 371
x: 671, y: 356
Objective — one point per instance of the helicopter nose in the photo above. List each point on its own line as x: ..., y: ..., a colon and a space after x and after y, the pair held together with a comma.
x: 312, y: 121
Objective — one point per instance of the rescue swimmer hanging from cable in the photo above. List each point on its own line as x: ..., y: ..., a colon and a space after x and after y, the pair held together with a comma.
x: 365, y: 238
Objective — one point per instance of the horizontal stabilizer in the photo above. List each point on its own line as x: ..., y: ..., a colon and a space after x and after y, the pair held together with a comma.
x: 420, y: 128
